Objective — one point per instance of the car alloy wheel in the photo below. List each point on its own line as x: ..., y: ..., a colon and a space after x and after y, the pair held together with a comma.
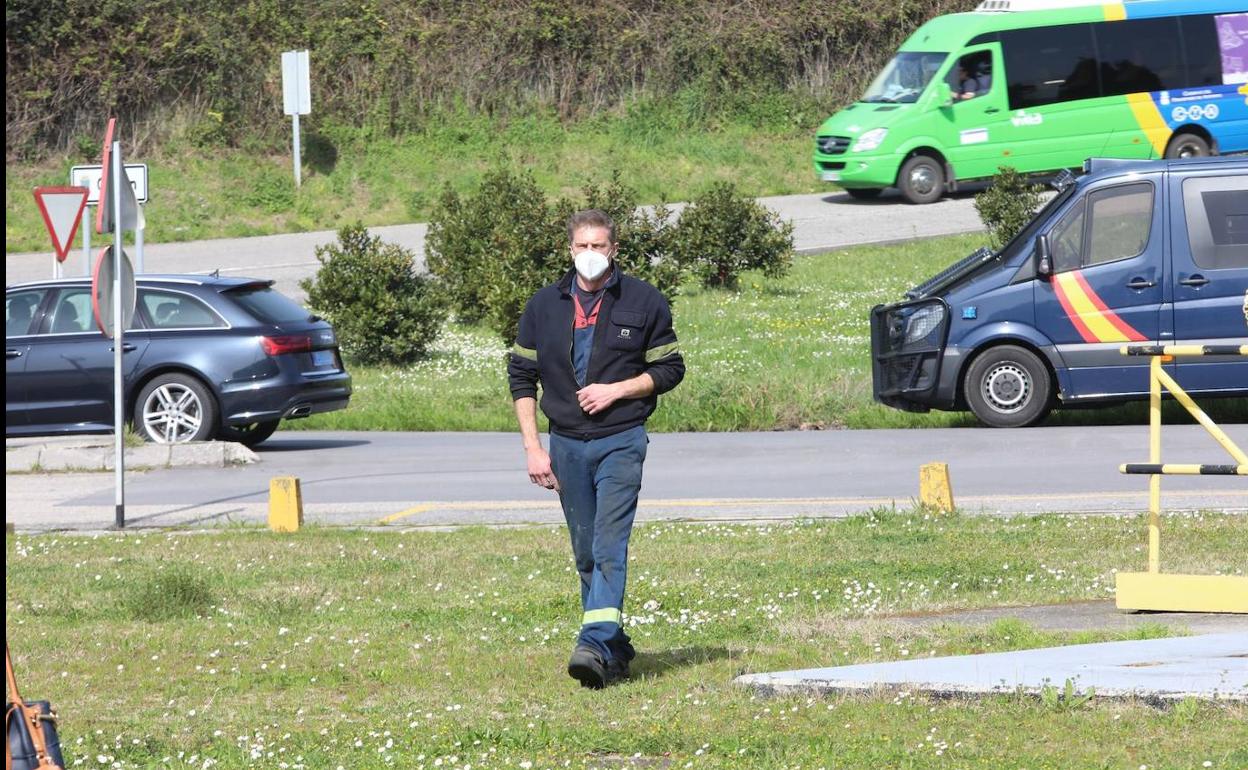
x: 173, y: 414
x: 175, y: 408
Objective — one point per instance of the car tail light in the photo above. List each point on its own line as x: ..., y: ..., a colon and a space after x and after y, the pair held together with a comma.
x: 291, y: 343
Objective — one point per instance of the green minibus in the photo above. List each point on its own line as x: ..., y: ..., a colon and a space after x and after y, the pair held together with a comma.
x: 1040, y: 85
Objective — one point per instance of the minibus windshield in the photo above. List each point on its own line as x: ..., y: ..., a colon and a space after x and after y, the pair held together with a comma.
x: 904, y: 78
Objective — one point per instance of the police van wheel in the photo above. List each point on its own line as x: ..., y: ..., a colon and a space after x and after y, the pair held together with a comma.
x: 921, y: 180
x: 1008, y: 387
x: 1187, y: 145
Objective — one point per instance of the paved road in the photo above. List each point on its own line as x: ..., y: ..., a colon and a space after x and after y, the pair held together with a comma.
x: 821, y: 223
x: 449, y: 479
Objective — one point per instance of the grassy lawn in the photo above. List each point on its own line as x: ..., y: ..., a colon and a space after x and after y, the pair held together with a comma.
x: 780, y: 354
x: 355, y: 649
x: 199, y: 194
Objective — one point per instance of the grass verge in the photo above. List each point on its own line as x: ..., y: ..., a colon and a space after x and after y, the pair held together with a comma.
x: 418, y: 650
x: 777, y: 354
x: 198, y: 194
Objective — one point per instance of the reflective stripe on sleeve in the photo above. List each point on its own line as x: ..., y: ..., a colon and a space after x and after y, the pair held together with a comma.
x: 524, y: 352
x: 655, y: 353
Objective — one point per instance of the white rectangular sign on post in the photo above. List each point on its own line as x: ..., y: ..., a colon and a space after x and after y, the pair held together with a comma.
x: 89, y: 177
x: 296, y: 83
x: 296, y: 98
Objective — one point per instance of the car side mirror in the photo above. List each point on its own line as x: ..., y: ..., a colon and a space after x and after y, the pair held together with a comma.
x: 943, y: 95
x: 1044, y: 256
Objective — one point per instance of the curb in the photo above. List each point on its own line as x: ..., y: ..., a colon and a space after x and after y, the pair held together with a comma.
x: 43, y: 456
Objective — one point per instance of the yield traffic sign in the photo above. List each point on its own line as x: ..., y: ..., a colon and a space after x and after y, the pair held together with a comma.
x: 62, y: 211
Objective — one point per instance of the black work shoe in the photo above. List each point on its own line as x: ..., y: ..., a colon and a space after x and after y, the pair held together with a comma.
x: 617, y: 668
x: 587, y: 667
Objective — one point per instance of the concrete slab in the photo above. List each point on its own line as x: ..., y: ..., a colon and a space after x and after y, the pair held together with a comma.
x: 95, y: 453
x: 1213, y: 666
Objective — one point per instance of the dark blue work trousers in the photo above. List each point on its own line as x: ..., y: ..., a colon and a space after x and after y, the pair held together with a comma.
x: 599, y: 480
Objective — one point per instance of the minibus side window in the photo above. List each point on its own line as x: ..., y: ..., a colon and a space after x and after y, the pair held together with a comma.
x: 1140, y: 55
x: 1204, y: 52
x: 1044, y: 65
x: 1121, y: 220
x: 971, y: 76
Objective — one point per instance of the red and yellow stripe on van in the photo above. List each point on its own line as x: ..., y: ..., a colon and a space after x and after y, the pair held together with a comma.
x: 1094, y: 321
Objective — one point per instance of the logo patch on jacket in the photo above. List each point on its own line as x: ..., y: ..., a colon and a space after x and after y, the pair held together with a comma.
x: 625, y: 333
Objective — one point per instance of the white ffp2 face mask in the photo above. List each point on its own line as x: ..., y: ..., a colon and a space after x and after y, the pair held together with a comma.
x: 590, y: 265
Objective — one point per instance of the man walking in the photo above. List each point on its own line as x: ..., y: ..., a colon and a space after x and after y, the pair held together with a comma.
x: 601, y: 345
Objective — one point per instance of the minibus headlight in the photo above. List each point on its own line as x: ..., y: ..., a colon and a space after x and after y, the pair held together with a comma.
x: 870, y: 140
x: 924, y: 321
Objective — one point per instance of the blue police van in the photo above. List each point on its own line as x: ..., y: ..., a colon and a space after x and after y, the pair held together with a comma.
x: 1131, y: 251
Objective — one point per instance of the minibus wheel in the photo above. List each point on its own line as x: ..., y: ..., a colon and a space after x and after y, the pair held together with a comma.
x: 1008, y: 387
x: 921, y: 180
x: 1187, y: 145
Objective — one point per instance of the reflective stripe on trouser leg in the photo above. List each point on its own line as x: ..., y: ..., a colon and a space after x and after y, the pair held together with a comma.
x: 609, y: 615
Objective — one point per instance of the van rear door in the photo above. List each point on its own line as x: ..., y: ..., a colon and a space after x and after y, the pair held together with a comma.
x: 1106, y: 287
x: 1210, y: 271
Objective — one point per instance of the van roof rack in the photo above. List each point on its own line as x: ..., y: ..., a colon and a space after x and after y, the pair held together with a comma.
x: 1062, y: 180
x: 952, y: 274
x: 1092, y: 165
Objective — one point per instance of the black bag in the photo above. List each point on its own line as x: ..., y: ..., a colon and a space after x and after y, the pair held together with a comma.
x: 33, y: 742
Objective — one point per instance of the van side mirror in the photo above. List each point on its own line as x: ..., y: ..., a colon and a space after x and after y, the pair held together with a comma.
x: 1044, y: 255
x: 943, y: 95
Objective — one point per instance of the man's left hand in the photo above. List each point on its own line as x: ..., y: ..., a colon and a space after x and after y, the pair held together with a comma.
x: 597, y: 397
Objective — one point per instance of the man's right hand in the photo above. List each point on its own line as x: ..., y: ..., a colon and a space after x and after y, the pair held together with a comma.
x: 539, y: 468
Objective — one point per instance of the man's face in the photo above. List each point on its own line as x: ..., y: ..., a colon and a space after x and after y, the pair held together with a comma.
x: 593, y: 239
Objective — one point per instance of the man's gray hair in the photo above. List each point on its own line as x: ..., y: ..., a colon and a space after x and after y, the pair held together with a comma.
x: 590, y: 218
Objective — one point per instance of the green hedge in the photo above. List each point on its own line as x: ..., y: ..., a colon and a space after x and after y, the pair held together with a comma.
x: 209, y: 70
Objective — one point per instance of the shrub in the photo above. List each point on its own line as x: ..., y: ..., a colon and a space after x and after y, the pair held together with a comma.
x: 492, y: 249
x: 382, y: 310
x: 1008, y: 205
x: 723, y: 233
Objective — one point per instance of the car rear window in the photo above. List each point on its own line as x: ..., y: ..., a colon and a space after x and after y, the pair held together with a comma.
x: 171, y: 310
x: 269, y: 305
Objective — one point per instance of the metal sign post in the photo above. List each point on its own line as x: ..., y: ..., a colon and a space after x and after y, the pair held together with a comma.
x: 86, y: 246
x: 119, y: 333
x: 296, y: 97
x: 118, y: 212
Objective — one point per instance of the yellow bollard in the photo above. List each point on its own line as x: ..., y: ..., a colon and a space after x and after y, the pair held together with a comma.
x: 935, y: 491
x: 285, y: 504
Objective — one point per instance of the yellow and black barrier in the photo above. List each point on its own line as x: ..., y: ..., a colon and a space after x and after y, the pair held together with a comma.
x: 1184, y: 470
x: 1153, y: 590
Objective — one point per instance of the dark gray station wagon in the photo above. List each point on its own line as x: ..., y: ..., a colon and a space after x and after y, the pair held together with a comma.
x: 207, y: 357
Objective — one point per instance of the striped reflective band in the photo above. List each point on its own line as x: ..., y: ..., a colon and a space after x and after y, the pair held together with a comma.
x: 655, y: 353
x: 524, y: 352
x: 608, y: 615
x: 1087, y: 311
